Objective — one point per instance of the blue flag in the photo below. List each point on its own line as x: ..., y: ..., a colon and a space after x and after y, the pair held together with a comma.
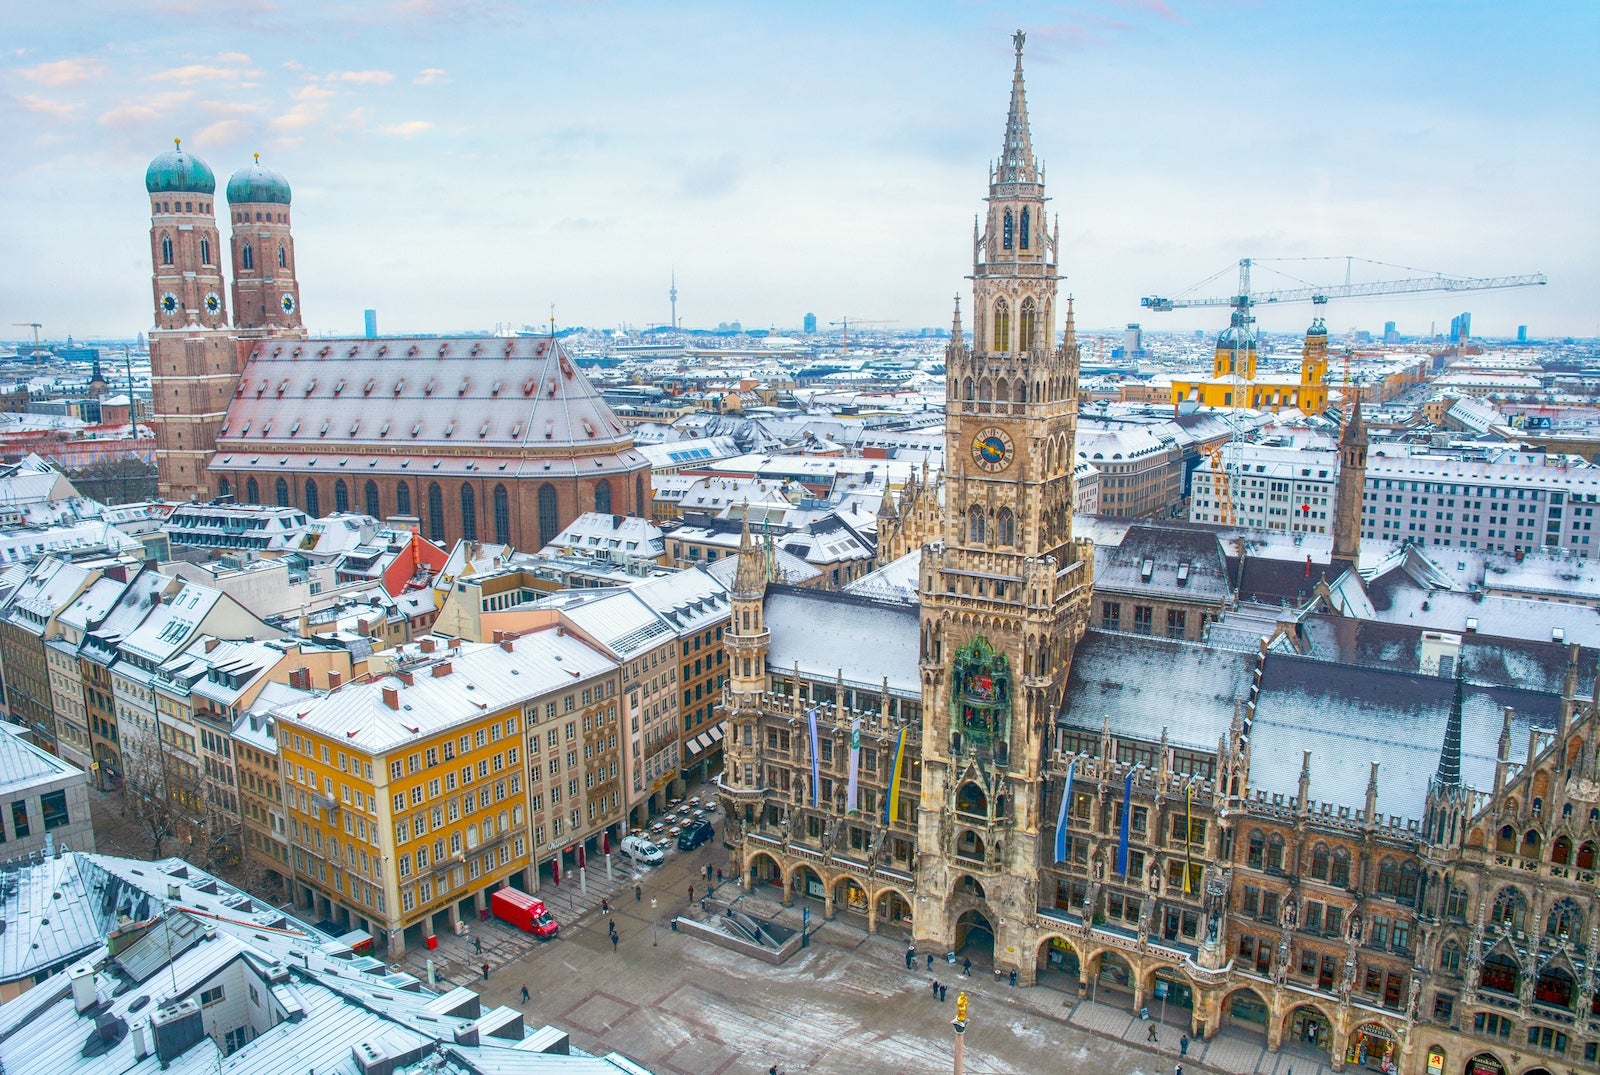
x: 1061, y: 819
x: 816, y: 761
x: 1127, y: 816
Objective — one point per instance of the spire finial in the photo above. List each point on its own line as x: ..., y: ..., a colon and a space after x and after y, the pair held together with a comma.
x: 257, y: 156
x: 1018, y: 39
x: 1016, y: 154
x: 1448, y: 775
x: 177, y: 143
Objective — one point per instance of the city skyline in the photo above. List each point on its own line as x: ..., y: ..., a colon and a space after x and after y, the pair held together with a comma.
x: 821, y: 159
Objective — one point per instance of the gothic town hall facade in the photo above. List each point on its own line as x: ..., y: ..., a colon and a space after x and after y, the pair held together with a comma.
x: 1376, y: 863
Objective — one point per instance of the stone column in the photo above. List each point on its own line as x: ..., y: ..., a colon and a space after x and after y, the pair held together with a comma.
x: 452, y: 915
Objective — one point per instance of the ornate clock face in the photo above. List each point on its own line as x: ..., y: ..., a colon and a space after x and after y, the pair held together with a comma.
x: 992, y: 449
x: 287, y: 302
x: 169, y: 303
x: 213, y: 303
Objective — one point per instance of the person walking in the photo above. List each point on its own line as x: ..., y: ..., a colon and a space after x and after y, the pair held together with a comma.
x: 691, y: 893
x: 943, y: 989
x: 933, y: 983
x: 486, y: 972
x: 605, y: 905
x: 1013, y: 978
x: 966, y: 968
x: 719, y: 875
x: 911, y: 955
x: 524, y: 994
x: 1152, y: 1035
x: 930, y: 960
x: 1183, y: 1045
x: 613, y: 942
x: 638, y: 893
x: 477, y: 946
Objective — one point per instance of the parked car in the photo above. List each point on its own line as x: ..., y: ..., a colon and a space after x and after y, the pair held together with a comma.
x: 641, y: 850
x: 694, y: 834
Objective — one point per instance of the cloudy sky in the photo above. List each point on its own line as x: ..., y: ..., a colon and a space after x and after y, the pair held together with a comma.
x: 458, y: 163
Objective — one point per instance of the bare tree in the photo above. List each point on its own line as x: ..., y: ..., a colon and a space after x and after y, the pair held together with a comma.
x: 160, y: 795
x: 116, y: 479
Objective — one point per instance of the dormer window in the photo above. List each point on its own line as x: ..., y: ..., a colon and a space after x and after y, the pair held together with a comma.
x: 1147, y: 569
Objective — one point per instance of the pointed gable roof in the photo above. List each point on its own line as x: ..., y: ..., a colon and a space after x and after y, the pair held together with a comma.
x: 1016, y: 155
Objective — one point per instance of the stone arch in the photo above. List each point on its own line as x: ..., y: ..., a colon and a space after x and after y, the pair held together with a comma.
x: 1168, y: 987
x: 970, y: 845
x: 252, y: 491
x: 1584, y: 860
x: 1005, y: 528
x: 849, y: 895
x: 1246, y: 1009
x: 891, y: 905
x: 1310, y: 1025
x: 1002, y: 389
x: 1510, y: 908
x: 1373, y: 1037
x: 761, y: 867
x: 1485, y: 1063
x: 972, y: 799
x: 1058, y: 964
x: 800, y: 886
x: 973, y: 929
x: 1109, y: 968
x: 1557, y: 984
x: 1501, y: 971
x: 965, y: 886
x: 975, y: 524
x: 1565, y: 919
x: 1532, y: 843
x: 1561, y: 850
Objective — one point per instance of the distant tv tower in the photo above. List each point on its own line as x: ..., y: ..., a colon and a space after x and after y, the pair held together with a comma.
x: 673, y: 295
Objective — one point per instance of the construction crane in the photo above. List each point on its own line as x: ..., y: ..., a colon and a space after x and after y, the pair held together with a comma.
x: 1242, y: 300
x: 36, y: 326
x: 846, y: 322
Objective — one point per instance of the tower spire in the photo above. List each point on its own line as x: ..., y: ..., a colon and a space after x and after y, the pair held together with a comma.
x: 956, y: 333
x: 1016, y: 156
x: 1449, y: 772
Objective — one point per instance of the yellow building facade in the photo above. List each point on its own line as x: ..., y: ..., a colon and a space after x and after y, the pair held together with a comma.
x: 1234, y: 380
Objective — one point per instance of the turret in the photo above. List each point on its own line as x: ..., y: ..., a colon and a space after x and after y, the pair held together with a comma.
x: 1351, y: 496
x: 185, y: 251
x: 266, y: 294
x: 747, y: 636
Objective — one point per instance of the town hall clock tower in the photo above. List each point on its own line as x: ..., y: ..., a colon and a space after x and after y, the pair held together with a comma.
x: 1005, y: 595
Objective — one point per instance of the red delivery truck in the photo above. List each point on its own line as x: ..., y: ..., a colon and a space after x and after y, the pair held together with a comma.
x: 527, y: 913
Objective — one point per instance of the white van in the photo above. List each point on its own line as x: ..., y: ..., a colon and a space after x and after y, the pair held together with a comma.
x: 641, y: 850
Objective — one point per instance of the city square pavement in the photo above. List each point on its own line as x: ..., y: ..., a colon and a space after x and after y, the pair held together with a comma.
x: 846, y: 1004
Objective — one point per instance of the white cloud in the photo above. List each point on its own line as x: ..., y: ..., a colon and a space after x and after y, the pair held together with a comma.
x: 364, y: 78
x: 430, y: 75
x: 64, y: 72
x: 409, y: 129
x: 62, y: 111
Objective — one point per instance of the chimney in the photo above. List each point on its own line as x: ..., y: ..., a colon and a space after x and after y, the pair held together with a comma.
x: 300, y: 678
x: 335, y: 681
x: 429, y: 645
x: 499, y: 635
x: 391, y: 697
x: 441, y: 669
x: 505, y: 644
x: 84, y: 997
x: 405, y: 677
x: 364, y: 626
x: 212, y: 643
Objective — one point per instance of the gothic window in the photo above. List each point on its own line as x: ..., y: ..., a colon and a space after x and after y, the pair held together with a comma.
x: 1585, y: 859
x: 435, y: 511
x: 1507, y: 840
x: 1258, y: 850
x: 1388, y: 878
x: 602, y: 497
x: 549, y: 519
x: 224, y: 488
x: 1002, y: 326
x: 968, y: 394
x: 402, y: 499
x: 1340, y: 874
x: 1450, y: 958
x: 313, y: 502
x: 502, y: 516
x: 1555, y: 986
x: 1275, y: 852
x: 1501, y: 974
x: 1319, y: 862
x: 282, y: 492
x: 371, y: 495
x: 166, y: 250
x: 1410, y: 882
x: 1531, y: 843
x: 205, y: 251
x: 1007, y: 229
x: 1565, y: 921
x: 1023, y: 243
x: 1019, y: 392
x: 247, y: 257
x: 1005, y: 528
x: 1510, y: 909
x: 638, y: 498
x: 1026, y: 321
x: 341, y: 496
x: 469, y: 513
x: 252, y: 491
x: 283, y: 258
x: 975, y: 525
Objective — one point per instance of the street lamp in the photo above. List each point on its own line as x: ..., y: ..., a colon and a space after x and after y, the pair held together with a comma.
x: 655, y: 922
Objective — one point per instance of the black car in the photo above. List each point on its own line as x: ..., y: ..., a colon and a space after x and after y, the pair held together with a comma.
x: 694, y: 834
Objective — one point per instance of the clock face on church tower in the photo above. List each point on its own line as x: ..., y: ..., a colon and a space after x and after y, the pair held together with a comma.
x: 992, y: 449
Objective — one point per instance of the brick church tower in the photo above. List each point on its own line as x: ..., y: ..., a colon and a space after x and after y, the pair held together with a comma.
x: 1005, y: 595
x: 194, y: 362
x: 266, y: 295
